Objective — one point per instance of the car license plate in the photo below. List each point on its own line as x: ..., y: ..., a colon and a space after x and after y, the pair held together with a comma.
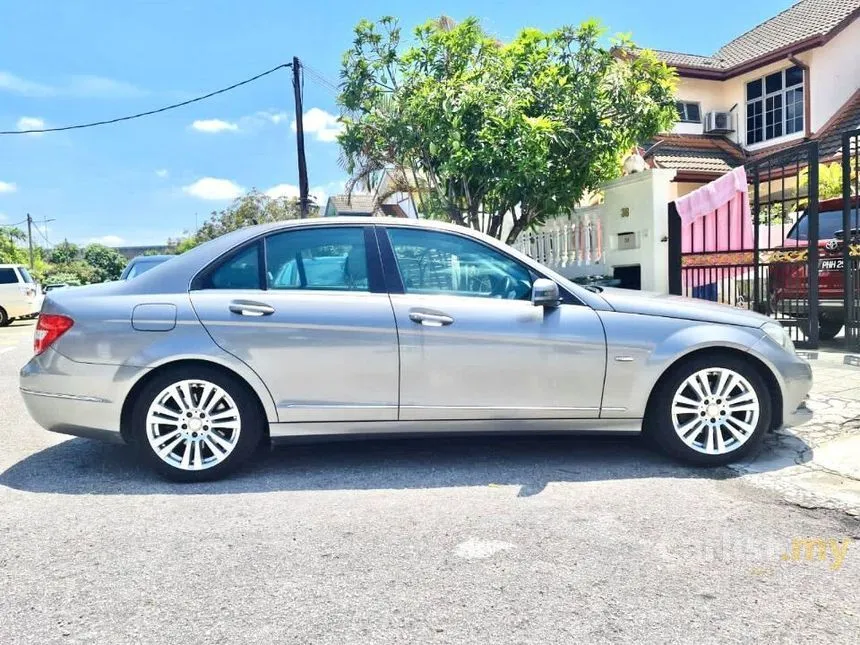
x: 831, y: 265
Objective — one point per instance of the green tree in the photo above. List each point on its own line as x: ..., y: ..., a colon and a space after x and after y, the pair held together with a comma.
x: 64, y: 253
x: 106, y: 263
x: 247, y: 210
x: 493, y: 131
x: 11, y: 251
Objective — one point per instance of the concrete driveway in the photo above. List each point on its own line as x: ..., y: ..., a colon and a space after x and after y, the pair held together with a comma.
x: 519, y: 540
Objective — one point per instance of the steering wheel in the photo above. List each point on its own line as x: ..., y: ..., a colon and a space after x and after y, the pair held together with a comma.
x: 502, y: 286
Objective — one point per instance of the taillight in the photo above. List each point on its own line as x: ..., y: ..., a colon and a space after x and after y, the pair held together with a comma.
x: 49, y: 328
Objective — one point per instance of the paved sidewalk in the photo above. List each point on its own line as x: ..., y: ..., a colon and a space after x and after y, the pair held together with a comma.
x: 817, y: 465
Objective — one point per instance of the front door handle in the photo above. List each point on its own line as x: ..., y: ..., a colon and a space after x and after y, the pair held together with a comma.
x: 250, y: 308
x: 430, y: 319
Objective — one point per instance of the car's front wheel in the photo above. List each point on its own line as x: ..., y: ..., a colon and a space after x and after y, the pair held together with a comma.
x: 196, y: 424
x: 710, y: 410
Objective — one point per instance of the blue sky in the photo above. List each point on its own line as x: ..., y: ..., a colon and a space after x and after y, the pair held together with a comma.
x: 140, y: 182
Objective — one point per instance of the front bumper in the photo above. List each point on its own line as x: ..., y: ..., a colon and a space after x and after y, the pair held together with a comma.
x: 81, y: 399
x: 794, y: 377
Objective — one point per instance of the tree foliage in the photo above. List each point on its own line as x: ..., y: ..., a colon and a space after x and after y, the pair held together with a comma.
x: 492, y: 131
x: 64, y: 253
x: 10, y: 250
x: 107, y: 263
x: 247, y: 210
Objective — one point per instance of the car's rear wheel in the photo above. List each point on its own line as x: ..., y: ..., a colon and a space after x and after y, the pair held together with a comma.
x: 829, y: 329
x: 4, y: 318
x: 710, y: 410
x: 196, y: 424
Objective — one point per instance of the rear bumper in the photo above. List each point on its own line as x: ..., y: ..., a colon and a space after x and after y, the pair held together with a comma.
x: 831, y: 308
x: 22, y: 309
x: 81, y: 399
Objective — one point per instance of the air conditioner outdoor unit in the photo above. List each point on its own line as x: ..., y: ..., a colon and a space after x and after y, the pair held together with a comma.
x: 718, y: 122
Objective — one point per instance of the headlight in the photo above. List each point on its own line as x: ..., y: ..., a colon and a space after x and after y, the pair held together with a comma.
x: 779, y: 335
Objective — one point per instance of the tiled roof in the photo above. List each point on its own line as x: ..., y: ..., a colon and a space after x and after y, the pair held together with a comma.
x: 695, y: 153
x: 800, y: 22
x: 677, y: 59
x: 354, y: 204
x: 845, y: 120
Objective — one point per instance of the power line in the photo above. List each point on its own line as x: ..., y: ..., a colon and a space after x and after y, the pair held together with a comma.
x: 23, y: 221
x: 44, y: 237
x: 320, y: 79
x: 150, y: 112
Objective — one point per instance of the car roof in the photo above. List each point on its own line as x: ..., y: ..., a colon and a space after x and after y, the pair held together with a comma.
x: 11, y: 266
x: 150, y: 258
x: 178, y: 271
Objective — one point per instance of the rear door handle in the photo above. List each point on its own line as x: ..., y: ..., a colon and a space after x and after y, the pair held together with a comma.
x: 429, y: 319
x: 249, y: 308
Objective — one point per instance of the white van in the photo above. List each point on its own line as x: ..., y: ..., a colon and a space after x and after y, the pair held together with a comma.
x: 20, y: 296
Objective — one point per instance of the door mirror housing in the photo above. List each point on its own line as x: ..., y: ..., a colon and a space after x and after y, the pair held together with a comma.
x: 545, y: 293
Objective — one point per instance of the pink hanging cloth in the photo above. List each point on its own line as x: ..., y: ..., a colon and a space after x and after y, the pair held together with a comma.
x: 716, y: 217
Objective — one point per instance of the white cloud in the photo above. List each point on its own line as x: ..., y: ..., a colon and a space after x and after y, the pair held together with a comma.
x: 162, y: 173
x: 17, y: 85
x: 273, y: 117
x: 107, y: 240
x: 31, y: 123
x: 82, y: 86
x: 3, y: 217
x: 283, y: 190
x: 7, y: 187
x: 214, y: 125
x: 325, y: 126
x: 214, y: 189
x: 99, y: 87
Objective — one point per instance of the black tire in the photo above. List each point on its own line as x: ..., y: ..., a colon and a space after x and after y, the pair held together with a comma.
x: 659, y: 426
x: 829, y: 329
x: 5, y: 320
x: 251, y: 431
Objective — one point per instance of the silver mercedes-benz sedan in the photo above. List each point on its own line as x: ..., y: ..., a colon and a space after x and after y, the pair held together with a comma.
x: 373, y: 326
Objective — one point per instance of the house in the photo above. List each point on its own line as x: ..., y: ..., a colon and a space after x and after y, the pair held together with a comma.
x: 793, y: 78
x: 361, y: 205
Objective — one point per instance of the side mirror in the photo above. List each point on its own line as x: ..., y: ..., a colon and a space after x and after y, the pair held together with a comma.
x: 545, y: 293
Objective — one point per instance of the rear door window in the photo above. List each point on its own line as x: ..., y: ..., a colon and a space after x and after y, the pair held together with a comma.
x: 320, y: 258
x: 8, y: 276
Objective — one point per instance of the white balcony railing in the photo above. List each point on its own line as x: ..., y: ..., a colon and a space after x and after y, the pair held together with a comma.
x: 572, y: 245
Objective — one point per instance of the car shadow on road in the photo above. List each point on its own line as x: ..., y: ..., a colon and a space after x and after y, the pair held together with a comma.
x: 83, y: 467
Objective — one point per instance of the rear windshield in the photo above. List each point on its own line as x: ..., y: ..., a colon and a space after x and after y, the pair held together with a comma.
x: 24, y: 274
x: 142, y: 266
x: 829, y: 224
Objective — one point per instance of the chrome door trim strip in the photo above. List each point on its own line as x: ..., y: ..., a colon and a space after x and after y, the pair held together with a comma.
x: 67, y: 397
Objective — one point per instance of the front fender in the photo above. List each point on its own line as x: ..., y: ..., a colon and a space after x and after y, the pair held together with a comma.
x: 640, y: 349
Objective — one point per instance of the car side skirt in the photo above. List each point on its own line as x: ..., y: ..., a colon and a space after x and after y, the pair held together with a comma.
x: 485, y: 426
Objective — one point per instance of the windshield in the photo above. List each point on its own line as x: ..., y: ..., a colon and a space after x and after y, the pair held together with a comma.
x: 829, y: 223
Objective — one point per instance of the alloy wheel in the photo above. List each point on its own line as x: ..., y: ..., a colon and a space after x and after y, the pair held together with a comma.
x: 715, y: 411
x: 193, y: 425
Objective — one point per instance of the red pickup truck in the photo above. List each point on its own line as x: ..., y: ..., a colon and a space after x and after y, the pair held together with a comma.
x: 789, y: 284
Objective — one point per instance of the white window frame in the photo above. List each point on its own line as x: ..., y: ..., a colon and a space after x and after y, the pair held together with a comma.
x: 783, y: 92
x: 685, y: 103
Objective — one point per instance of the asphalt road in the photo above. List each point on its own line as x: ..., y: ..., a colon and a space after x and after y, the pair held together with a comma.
x: 523, y: 540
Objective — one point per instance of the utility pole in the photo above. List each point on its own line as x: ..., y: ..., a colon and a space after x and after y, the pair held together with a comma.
x: 30, y: 239
x: 300, y: 138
